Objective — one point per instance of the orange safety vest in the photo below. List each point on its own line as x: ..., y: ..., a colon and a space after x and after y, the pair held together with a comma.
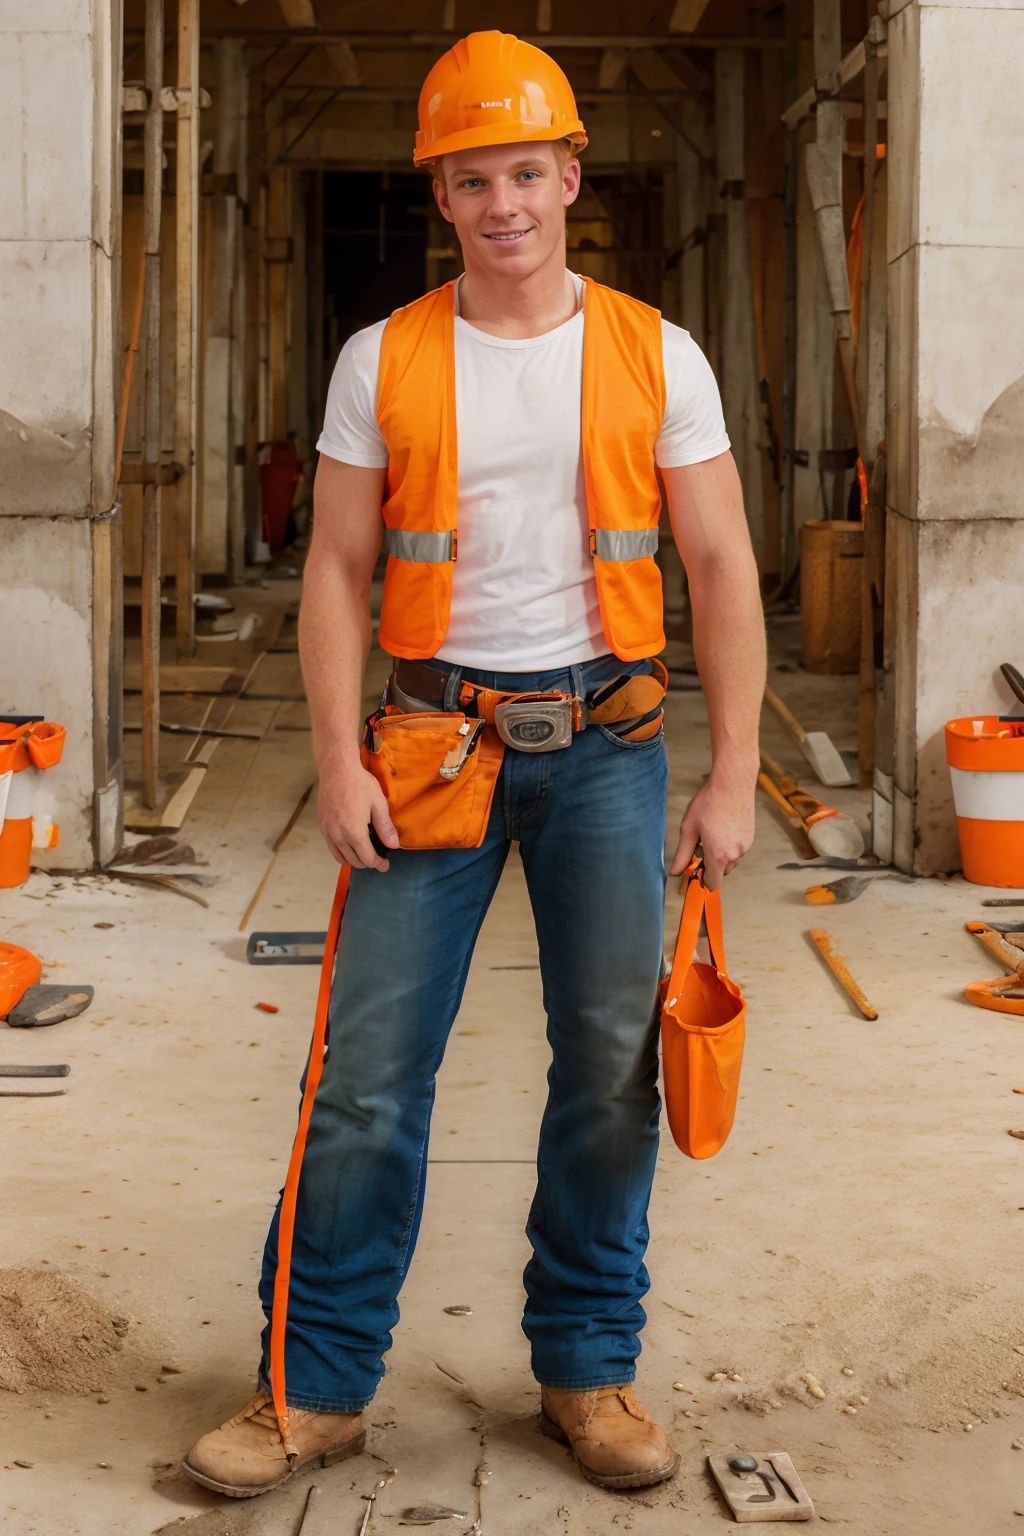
x: 623, y: 406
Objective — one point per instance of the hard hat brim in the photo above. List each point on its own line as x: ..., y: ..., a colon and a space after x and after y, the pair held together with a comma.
x: 482, y: 138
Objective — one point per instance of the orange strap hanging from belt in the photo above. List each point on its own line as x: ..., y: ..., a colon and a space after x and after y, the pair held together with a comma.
x: 286, y: 1225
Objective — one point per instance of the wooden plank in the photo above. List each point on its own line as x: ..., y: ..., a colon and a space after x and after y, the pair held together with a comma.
x: 187, y: 265
x: 177, y: 798
x: 181, y: 679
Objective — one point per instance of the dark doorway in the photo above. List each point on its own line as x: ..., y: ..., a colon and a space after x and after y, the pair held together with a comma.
x: 375, y: 248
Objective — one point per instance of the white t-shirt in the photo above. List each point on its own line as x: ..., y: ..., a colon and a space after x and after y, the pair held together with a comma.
x: 524, y: 597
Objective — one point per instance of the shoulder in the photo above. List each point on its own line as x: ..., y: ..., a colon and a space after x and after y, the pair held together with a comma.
x: 361, y: 353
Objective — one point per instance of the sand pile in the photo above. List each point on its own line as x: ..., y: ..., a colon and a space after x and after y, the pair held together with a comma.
x: 53, y: 1335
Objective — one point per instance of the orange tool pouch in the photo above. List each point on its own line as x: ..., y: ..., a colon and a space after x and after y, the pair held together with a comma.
x: 703, y: 1019
x: 438, y: 771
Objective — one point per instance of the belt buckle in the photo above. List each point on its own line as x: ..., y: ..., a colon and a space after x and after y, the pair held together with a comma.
x: 543, y: 724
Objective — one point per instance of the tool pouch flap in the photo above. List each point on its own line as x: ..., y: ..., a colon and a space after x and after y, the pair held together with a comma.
x: 438, y: 771
x: 703, y: 1025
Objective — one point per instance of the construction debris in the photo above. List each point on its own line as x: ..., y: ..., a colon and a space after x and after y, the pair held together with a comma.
x: 278, y: 845
x: 48, y: 1003
x: 822, y: 941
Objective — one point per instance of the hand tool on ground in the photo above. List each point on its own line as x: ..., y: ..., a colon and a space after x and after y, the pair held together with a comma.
x: 761, y: 1486
x: 847, y: 888
x: 822, y: 941
x: 295, y: 948
x: 1006, y: 993
x: 55, y: 1069
x: 816, y: 746
x: 278, y: 845
x: 1014, y: 679
x: 828, y: 830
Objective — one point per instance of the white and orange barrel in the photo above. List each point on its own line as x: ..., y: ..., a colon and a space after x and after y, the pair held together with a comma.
x: 27, y: 748
x: 986, y: 763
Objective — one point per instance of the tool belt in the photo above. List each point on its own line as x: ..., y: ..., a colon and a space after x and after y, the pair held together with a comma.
x: 438, y: 765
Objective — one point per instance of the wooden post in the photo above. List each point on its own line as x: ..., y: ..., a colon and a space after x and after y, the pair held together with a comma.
x: 277, y: 262
x: 151, y: 445
x: 740, y: 395
x: 187, y: 265
x: 824, y: 165
x: 255, y: 145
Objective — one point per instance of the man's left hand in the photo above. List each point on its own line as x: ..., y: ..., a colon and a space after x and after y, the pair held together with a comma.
x: 720, y: 817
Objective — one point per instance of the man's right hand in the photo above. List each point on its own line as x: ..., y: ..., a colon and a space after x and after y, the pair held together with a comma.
x: 349, y: 802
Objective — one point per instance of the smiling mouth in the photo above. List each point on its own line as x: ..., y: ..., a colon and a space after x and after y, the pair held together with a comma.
x: 510, y: 237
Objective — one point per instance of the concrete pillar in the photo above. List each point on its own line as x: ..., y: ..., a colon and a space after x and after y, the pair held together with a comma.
x: 60, y: 367
x: 955, y: 432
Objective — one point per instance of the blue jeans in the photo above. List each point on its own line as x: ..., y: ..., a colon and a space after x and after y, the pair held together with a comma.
x: 590, y: 823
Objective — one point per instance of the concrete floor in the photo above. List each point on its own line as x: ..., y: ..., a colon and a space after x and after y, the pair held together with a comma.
x: 871, y: 1198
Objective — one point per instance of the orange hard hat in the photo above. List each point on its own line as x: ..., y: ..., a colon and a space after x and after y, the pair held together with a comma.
x: 491, y: 88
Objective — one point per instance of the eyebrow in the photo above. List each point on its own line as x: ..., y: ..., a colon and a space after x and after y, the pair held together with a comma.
x: 531, y: 164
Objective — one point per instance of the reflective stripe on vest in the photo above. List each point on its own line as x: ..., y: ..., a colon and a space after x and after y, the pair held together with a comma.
x: 405, y: 544
x: 623, y: 543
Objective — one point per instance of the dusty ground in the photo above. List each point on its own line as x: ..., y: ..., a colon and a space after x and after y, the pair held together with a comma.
x: 871, y: 1199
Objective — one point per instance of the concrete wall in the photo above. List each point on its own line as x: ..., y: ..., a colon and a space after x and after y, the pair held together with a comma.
x: 59, y: 202
x: 955, y: 435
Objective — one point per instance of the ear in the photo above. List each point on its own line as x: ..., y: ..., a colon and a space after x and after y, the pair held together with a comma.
x: 441, y: 199
x: 571, y: 178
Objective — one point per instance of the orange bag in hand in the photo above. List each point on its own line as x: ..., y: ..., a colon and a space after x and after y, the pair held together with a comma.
x: 703, y: 1019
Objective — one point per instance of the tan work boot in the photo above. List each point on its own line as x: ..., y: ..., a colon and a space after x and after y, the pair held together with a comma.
x: 615, y: 1441
x: 245, y: 1456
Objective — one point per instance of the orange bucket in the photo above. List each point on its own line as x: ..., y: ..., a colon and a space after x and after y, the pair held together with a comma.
x: 986, y: 764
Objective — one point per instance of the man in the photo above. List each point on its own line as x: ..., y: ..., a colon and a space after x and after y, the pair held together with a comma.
x: 510, y: 426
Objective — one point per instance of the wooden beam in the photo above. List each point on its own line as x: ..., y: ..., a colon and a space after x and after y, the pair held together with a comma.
x: 380, y: 41
x: 152, y: 205
x: 686, y: 15
x: 829, y: 84
x: 186, y: 318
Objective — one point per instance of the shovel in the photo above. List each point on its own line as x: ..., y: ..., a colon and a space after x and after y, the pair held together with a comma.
x: 816, y: 746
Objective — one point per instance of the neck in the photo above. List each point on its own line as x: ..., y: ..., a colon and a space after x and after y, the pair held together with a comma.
x: 519, y: 307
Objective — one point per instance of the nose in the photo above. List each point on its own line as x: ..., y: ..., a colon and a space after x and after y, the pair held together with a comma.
x: 503, y: 203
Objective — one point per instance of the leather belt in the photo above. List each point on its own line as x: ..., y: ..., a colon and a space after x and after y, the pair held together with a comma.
x: 530, y: 722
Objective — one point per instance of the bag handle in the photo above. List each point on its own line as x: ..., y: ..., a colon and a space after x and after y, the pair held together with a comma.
x: 698, y: 902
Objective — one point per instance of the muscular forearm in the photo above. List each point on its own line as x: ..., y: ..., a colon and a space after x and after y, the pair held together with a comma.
x: 729, y: 646
x: 706, y: 504
x: 334, y: 640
